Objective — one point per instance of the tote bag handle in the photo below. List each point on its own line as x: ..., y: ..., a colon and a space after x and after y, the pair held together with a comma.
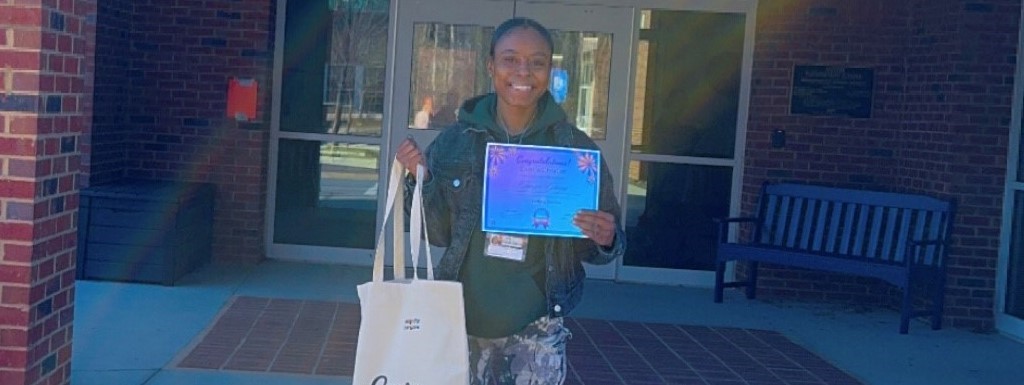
x: 416, y: 227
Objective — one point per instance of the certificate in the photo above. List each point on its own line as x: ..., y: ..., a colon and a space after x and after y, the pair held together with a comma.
x: 537, y: 190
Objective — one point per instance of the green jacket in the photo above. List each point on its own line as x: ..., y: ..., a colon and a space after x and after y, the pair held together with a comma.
x: 453, y: 196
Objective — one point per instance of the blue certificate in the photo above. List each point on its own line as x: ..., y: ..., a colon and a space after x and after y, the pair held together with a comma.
x: 537, y: 190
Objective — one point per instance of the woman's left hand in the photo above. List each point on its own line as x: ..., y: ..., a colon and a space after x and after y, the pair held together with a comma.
x: 599, y: 226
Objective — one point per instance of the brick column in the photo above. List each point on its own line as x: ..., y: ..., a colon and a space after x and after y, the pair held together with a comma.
x: 44, y: 108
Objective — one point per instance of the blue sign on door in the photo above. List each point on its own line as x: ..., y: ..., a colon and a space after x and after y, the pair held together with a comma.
x: 559, y: 84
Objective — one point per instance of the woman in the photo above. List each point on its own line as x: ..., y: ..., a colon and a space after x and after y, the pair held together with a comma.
x: 514, y: 308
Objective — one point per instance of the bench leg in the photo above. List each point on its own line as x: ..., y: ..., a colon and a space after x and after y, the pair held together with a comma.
x: 906, y: 308
x: 752, y: 280
x: 719, y: 278
x: 938, y: 301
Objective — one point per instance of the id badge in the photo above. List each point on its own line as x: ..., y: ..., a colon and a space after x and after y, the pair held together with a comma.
x: 505, y: 246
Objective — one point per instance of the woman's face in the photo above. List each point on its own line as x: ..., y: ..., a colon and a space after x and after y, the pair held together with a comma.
x: 520, y: 69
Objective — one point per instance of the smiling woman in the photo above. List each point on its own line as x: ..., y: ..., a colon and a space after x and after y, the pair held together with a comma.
x: 515, y: 296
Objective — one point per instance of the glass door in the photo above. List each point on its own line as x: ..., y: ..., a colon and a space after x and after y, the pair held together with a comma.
x: 686, y: 141
x: 445, y: 45
x: 1010, y: 282
x: 329, y: 111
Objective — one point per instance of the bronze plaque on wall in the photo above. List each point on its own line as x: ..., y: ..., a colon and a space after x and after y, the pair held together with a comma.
x: 832, y: 91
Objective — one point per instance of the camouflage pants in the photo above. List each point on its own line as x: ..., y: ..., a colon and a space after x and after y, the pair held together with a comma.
x: 533, y: 356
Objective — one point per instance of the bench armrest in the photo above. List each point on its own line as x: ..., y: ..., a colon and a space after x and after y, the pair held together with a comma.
x: 723, y: 225
x: 919, y: 243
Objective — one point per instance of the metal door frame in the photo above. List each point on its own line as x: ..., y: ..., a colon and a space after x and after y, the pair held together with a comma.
x: 1006, y: 323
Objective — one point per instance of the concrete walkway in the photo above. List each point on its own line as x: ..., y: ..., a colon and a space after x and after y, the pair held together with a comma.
x: 132, y: 334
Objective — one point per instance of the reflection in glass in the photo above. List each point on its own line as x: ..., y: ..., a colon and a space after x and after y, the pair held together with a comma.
x: 1015, y: 270
x: 670, y: 211
x: 333, y: 74
x: 690, y: 64
x: 326, y: 194
x: 645, y: 19
x: 585, y: 58
x: 449, y: 66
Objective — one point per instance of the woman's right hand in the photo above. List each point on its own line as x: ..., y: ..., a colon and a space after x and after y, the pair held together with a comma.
x: 409, y: 155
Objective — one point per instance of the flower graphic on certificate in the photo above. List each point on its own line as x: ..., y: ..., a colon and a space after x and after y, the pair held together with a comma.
x: 495, y: 157
x: 538, y: 189
x: 587, y: 165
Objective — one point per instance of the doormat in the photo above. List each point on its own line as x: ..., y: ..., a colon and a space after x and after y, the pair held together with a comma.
x: 319, y: 338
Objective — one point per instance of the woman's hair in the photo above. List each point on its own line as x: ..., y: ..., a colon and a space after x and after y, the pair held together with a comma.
x: 521, y: 22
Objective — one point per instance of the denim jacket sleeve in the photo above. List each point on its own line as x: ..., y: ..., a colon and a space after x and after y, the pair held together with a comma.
x: 585, y: 249
x: 435, y: 204
x: 588, y: 251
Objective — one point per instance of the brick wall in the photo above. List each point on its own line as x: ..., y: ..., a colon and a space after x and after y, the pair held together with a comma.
x: 939, y: 125
x: 104, y: 150
x: 959, y: 92
x: 45, y: 99
x: 161, y: 106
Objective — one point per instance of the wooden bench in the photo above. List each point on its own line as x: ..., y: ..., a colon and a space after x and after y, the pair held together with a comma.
x: 902, y: 239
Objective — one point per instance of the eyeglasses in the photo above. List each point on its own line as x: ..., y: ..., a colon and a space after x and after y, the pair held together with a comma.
x: 510, y: 62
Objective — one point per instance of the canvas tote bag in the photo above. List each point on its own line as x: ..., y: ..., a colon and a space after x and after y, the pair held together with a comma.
x: 413, y: 331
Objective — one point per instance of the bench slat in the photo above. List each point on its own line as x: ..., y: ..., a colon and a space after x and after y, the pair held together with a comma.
x: 901, y: 242
x: 848, y: 215
x: 833, y: 231
x: 858, y: 235
x: 810, y: 231
x: 767, y: 230
x: 887, y: 235
x: 820, y: 230
x: 781, y: 218
x: 935, y: 226
x: 793, y: 226
x: 877, y: 220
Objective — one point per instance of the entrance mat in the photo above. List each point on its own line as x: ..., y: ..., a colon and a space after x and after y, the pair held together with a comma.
x: 319, y: 338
